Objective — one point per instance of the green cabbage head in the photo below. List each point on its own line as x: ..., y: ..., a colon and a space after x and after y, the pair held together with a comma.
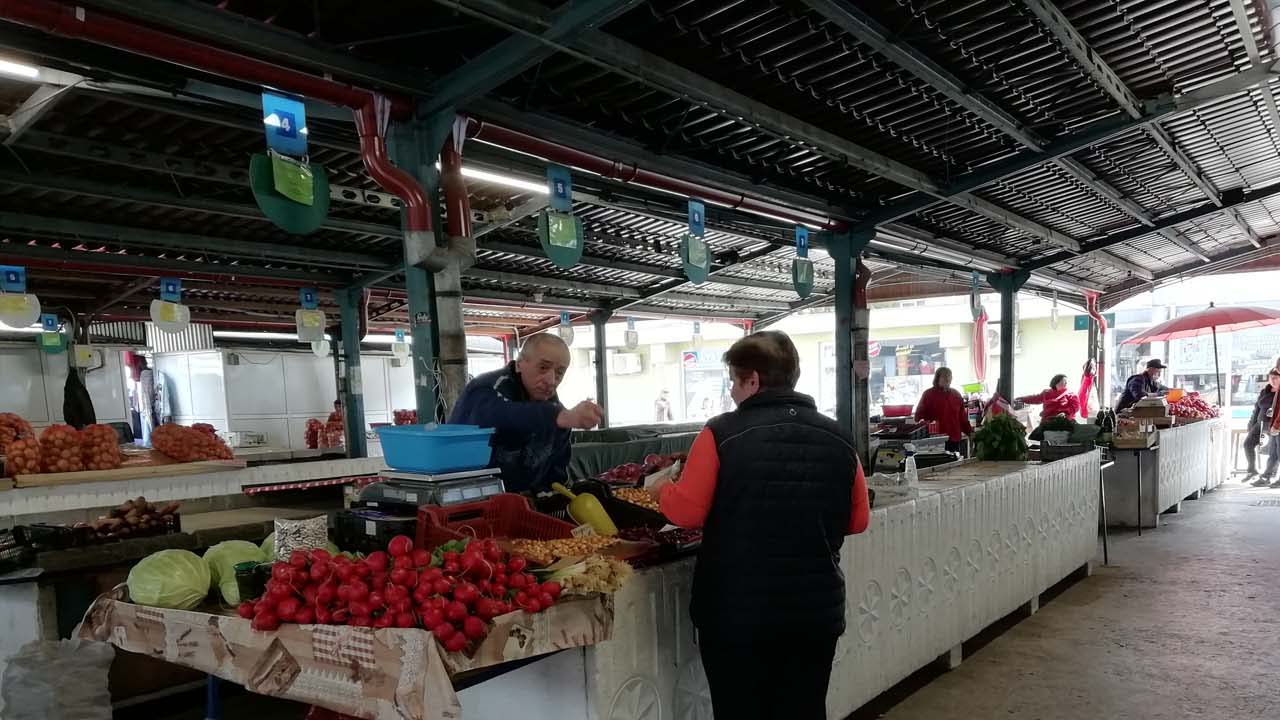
x: 222, y: 560
x: 177, y: 579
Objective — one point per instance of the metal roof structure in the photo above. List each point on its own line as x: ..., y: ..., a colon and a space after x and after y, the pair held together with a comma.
x: 1105, y: 146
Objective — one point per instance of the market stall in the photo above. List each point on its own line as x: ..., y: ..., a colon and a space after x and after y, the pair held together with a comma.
x: 1180, y: 463
x: 979, y: 541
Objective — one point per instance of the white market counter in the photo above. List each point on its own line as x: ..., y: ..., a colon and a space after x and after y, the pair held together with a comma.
x: 1185, y: 461
x: 981, y: 541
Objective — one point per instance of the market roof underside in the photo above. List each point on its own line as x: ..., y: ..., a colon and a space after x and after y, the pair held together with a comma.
x: 1104, y: 145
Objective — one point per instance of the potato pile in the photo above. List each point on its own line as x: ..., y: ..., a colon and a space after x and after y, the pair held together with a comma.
x: 545, y: 552
x: 60, y: 449
x: 186, y: 444
x: 100, y: 448
x: 13, y: 427
x: 135, y: 518
x: 637, y: 496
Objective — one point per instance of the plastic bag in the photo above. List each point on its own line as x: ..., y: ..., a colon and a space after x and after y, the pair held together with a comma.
x: 62, y: 680
x: 300, y: 535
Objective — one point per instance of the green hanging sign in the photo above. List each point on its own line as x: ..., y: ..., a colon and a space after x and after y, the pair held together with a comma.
x: 561, y: 237
x: 696, y: 259
x: 802, y: 276
x: 293, y: 179
x: 802, y: 266
x: 288, y: 213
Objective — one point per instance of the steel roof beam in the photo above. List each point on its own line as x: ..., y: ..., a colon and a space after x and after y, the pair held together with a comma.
x: 1074, y: 43
x: 1084, y: 175
x: 179, y: 242
x: 870, y: 33
x: 97, y: 151
x: 1241, y: 15
x: 73, y: 260
x: 1222, y: 262
x: 553, y: 283
x: 122, y: 193
x: 1171, y: 221
x: 1240, y: 223
x: 1183, y: 162
x: 1174, y: 236
x: 39, y: 102
x: 681, y: 281
x: 517, y: 53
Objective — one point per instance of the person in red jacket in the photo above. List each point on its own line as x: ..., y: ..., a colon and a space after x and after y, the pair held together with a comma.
x: 1057, y: 400
x: 775, y: 486
x: 945, y: 406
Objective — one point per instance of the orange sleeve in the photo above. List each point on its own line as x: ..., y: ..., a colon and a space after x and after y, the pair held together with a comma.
x: 687, y: 503
x: 860, y: 518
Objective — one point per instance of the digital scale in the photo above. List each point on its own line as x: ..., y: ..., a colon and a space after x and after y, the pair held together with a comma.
x: 409, y: 490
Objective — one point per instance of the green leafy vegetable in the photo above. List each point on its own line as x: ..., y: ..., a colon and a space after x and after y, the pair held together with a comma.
x: 177, y: 579
x: 222, y: 559
x: 1058, y: 423
x: 1001, y: 438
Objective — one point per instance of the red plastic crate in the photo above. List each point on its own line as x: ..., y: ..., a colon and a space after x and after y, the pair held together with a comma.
x: 897, y: 410
x: 501, y: 516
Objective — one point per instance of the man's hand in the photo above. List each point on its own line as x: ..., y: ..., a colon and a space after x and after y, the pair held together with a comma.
x: 584, y: 416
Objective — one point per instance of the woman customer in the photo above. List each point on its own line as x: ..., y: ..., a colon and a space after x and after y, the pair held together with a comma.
x: 1057, y: 400
x: 1260, y: 424
x: 945, y: 406
x: 776, y: 487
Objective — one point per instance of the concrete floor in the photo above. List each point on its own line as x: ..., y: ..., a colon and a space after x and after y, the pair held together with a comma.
x: 1185, y: 623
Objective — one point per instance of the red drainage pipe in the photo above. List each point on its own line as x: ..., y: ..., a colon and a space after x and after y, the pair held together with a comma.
x: 372, y: 111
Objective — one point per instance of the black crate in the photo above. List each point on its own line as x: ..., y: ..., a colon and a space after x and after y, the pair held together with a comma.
x: 623, y: 514
x: 366, y: 530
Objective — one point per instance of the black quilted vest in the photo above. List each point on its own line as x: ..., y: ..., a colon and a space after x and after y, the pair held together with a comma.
x: 770, y: 557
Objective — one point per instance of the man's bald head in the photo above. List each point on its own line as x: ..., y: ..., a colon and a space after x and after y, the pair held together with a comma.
x: 542, y: 363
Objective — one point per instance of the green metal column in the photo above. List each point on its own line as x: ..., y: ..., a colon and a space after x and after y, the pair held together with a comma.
x: 1008, y: 283
x: 598, y: 322
x: 351, y: 386
x: 408, y: 151
x: 852, y: 364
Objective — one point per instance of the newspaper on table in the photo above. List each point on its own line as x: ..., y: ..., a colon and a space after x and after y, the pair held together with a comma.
x: 383, y: 674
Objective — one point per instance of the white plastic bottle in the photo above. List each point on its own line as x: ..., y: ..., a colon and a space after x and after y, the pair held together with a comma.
x: 910, y: 476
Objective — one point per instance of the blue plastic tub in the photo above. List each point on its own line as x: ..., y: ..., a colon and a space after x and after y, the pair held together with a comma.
x: 436, y: 448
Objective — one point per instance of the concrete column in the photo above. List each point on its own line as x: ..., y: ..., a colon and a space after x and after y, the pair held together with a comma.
x: 351, y: 386
x: 598, y: 322
x: 1008, y: 283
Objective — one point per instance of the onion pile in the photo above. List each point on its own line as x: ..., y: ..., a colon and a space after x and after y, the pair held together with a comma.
x: 23, y: 457
x: 13, y: 427
x: 334, y: 435
x: 100, y: 448
x: 405, y: 417
x: 60, y: 449
x: 312, y: 434
x: 205, y: 428
x: 186, y: 444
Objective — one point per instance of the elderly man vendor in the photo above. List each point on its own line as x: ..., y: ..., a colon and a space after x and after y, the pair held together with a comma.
x: 531, y: 442
x: 1141, y: 385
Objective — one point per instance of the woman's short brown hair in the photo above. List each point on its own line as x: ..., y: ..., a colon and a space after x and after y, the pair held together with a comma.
x: 771, y: 354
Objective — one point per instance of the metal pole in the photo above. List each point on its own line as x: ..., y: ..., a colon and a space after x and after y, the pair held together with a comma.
x: 1007, y: 283
x: 1217, y: 373
x: 852, y: 369
x: 351, y: 387
x: 598, y: 323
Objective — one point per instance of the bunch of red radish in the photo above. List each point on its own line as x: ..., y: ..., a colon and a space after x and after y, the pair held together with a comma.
x: 452, y: 594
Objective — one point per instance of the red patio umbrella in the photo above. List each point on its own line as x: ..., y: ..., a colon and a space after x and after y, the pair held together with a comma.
x: 1210, y: 320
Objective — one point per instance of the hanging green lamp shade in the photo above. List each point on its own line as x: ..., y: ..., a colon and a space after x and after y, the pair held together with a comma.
x: 271, y: 177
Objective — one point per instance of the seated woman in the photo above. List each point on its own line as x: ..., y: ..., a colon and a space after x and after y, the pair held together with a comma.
x: 776, y: 487
x: 1057, y: 400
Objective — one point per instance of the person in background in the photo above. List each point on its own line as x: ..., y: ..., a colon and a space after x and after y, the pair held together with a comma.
x: 1259, y: 424
x: 1141, y: 385
x: 945, y: 406
x: 662, y: 407
x: 776, y: 487
x: 1057, y: 400
x: 519, y: 401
